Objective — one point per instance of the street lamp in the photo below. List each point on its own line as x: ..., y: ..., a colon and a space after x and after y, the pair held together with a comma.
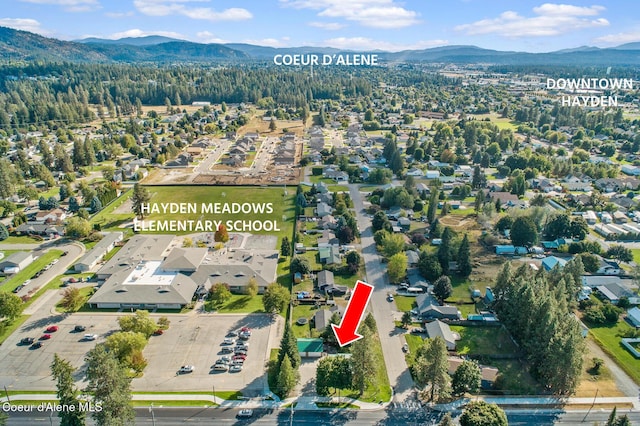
x: 214, y: 393
x: 153, y: 417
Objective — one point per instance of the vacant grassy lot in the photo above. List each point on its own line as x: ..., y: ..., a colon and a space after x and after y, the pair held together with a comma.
x: 405, y: 303
x: 608, y: 337
x: 30, y: 270
x: 20, y: 240
x: 107, y: 219
x: 483, y: 340
x: 283, y: 206
x: 515, y: 378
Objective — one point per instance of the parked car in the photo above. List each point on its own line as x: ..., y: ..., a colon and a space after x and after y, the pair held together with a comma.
x: 79, y: 328
x: 246, y: 413
x: 390, y: 297
x: 17, y: 289
x: 239, y: 356
x: 221, y: 367
x: 186, y: 369
x: 228, y: 341
x: 242, y: 344
x: 232, y: 334
x: 237, y: 362
x: 226, y: 350
x: 158, y: 332
x: 418, y: 330
x: 240, y: 352
x: 27, y: 341
x: 45, y: 337
x: 236, y: 368
x: 36, y: 345
x: 405, y: 348
x: 90, y: 337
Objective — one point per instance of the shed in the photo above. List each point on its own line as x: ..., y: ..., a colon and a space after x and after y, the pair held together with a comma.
x: 310, y: 348
x: 550, y: 262
x: 505, y: 250
x: 633, y: 315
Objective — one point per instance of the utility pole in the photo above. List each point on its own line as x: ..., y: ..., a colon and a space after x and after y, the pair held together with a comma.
x: 153, y: 417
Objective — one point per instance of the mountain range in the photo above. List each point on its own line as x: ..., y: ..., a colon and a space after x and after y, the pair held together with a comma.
x: 26, y: 46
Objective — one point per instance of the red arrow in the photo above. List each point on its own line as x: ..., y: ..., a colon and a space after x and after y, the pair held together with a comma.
x: 346, y: 332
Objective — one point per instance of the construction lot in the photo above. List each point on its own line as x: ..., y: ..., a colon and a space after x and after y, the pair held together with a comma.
x: 193, y: 339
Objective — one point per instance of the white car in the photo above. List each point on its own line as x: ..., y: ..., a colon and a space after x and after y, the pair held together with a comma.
x: 228, y: 341
x: 235, y: 368
x: 246, y: 413
x: 186, y: 369
x: 89, y: 337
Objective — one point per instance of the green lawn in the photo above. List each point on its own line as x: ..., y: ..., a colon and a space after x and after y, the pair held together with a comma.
x: 636, y: 256
x: 379, y: 390
x: 240, y: 303
x: 282, y: 205
x: 514, y: 378
x: 414, y: 342
x: 30, y: 270
x: 336, y: 405
x: 312, y: 257
x: 483, y: 340
x: 338, y: 188
x: 86, y: 292
x: 20, y: 240
x: 404, y: 303
x: 608, y: 337
x: 165, y: 403
x: 305, y: 330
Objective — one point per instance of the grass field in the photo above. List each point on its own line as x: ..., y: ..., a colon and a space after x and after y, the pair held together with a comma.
x: 85, y: 292
x: 20, y: 240
x: 8, y: 328
x: 283, y: 206
x: 404, y: 303
x: 483, y: 341
x: 106, y: 217
x: 239, y: 303
x: 379, y: 389
x: 608, y: 338
x: 30, y: 270
x: 515, y: 378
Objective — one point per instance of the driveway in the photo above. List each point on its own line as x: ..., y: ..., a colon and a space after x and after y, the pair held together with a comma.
x: 383, y: 311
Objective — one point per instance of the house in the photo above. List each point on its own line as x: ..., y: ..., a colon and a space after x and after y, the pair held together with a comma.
x: 102, y: 247
x: 429, y: 309
x: 633, y: 316
x: 330, y: 255
x: 550, y: 262
x: 415, y: 172
x: 323, y: 209
x: 50, y: 216
x: 310, y: 348
x: 505, y: 250
x: 488, y: 375
x: 328, y: 222
x: 16, y: 262
x: 439, y: 329
x: 32, y: 228
x: 322, y: 319
x: 324, y: 279
x: 413, y: 257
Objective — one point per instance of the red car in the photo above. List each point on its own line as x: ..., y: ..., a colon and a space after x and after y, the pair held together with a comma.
x: 52, y: 329
x: 45, y: 337
x: 245, y: 329
x: 158, y: 332
x: 236, y: 357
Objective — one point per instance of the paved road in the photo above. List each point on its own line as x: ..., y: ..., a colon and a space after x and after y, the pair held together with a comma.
x: 383, y: 311
x: 212, y: 157
x: 208, y: 416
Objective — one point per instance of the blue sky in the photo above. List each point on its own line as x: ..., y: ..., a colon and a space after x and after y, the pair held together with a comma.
x: 525, y: 25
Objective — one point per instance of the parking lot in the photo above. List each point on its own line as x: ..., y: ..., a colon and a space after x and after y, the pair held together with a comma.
x: 191, y: 339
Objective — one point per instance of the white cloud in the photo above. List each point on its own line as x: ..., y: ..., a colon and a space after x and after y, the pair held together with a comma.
x: 385, y: 14
x: 182, y: 7
x: 70, y: 5
x: 365, y: 43
x: 136, y: 32
x: 619, y: 38
x: 550, y: 20
x: 24, y: 24
x: 330, y: 26
x: 271, y: 42
x: 119, y: 14
x: 207, y: 37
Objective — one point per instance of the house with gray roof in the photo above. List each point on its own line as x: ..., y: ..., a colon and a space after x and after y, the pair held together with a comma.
x: 442, y: 330
x: 16, y: 262
x: 102, y: 247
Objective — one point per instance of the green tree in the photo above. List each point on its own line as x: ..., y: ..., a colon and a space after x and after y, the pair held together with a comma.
x: 289, y: 347
x: 467, y: 378
x: 363, y: 363
x: 353, y: 261
x: 622, y: 253
x: 139, y: 199
x: 442, y: 288
x: 110, y: 385
x: 446, y: 420
x: 380, y: 221
x: 62, y: 372
x: 524, y: 232
x: 10, y: 305
x: 7, y: 179
x: 480, y: 413
x: 397, y: 267
x: 429, y: 266
x: 272, y: 125
x: 275, y: 298
x: 300, y: 264
x: 287, y: 378
x: 464, y: 257
x: 392, y: 244
x: 74, y: 206
x: 219, y: 293
x: 96, y: 205
x: 370, y: 322
x: 285, y: 247
x: 252, y: 287
x: 406, y: 319
x: 444, y: 250
x: 124, y: 344
x: 71, y: 299
x: 433, y: 205
x: 140, y: 322
x: 4, y: 233
x: 430, y: 368
x: 78, y: 228
x: 64, y: 192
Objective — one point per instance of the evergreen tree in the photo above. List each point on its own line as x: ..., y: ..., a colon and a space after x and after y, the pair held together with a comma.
x: 73, y: 204
x: 139, y: 198
x: 480, y: 413
x: 464, y: 257
x: 4, y: 233
x: 285, y: 247
x: 272, y: 125
x: 444, y: 251
x: 110, y: 385
x: 96, y: 205
x: 429, y: 266
x: 430, y: 368
x: 64, y: 192
x: 287, y: 378
x: 289, y: 347
x: 62, y: 372
x: 7, y: 179
x: 433, y: 205
x: 467, y: 378
x: 363, y: 363
x: 442, y: 288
